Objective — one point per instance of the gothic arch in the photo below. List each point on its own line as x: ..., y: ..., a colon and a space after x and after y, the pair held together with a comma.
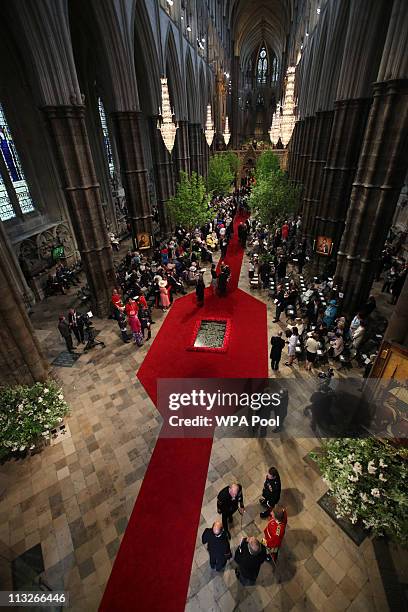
x: 191, y: 91
x: 148, y: 78
x: 173, y: 74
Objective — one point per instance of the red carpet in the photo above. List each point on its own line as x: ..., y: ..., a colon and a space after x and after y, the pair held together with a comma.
x: 152, y: 569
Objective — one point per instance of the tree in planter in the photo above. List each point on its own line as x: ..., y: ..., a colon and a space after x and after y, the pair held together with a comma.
x: 220, y: 174
x: 189, y: 207
x: 369, y: 480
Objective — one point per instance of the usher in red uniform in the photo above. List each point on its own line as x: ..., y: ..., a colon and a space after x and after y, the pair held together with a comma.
x: 274, y: 532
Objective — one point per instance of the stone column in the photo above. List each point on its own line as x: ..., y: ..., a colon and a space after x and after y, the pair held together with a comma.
x: 350, y: 117
x: 305, y: 152
x: 164, y: 172
x: 133, y: 169
x: 297, y: 149
x: 381, y: 169
x: 21, y: 358
x: 311, y: 199
x: 292, y: 148
x: 363, y: 43
x: 196, y: 155
x: 77, y: 173
x: 235, y: 103
x: 376, y: 188
x: 182, y: 149
x: 205, y: 153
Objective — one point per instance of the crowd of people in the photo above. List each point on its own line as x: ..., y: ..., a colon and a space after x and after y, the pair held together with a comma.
x: 146, y: 282
x: 251, y: 553
x: 315, y: 331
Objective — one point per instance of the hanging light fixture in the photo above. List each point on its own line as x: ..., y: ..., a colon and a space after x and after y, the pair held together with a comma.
x: 166, y: 124
x: 227, y: 133
x: 209, y: 126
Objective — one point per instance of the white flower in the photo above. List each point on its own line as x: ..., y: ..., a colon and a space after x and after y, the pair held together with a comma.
x: 351, y: 457
x: 60, y: 397
x: 382, y: 477
x: 48, y: 410
x: 22, y: 448
x: 40, y: 400
x: 353, y: 520
x: 364, y: 497
x: 371, y: 467
x: 353, y: 478
x: 357, y: 468
x: 382, y: 464
x: 375, y: 492
x: 46, y: 390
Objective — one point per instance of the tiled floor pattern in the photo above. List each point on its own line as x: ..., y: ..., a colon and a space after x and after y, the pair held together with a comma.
x: 76, y: 497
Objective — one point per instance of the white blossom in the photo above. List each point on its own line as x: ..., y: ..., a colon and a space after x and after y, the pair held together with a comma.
x: 382, y: 464
x: 60, y: 397
x: 358, y: 468
x: 40, y: 400
x: 46, y: 390
x: 364, y: 497
x: 375, y: 492
x: 381, y: 477
x: 353, y: 478
x: 371, y: 467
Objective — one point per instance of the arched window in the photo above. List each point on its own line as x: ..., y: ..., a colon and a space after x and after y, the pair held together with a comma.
x: 262, y: 66
x: 275, y: 69
x: 15, y: 172
x: 106, y: 139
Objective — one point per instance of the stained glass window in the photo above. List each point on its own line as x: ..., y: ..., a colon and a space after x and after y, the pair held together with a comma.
x: 15, y: 170
x: 6, y: 209
x: 275, y: 69
x: 262, y: 67
x: 106, y: 139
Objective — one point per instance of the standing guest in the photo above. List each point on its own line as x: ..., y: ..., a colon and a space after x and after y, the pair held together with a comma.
x: 224, y: 246
x: 76, y: 325
x: 285, y: 231
x: 117, y: 304
x: 164, y: 296
x: 65, y: 331
x: 251, y: 270
x: 214, y: 278
x: 131, y: 308
x: 200, y: 290
x: 218, y: 546
x: 277, y: 345
x: 358, y: 335
x: 312, y: 312
x: 271, y: 491
x: 229, y: 500
x: 136, y: 327
x: 311, y: 350
x: 249, y: 557
x: 274, y: 532
x: 123, y: 327
x: 144, y: 318
x: 330, y: 313
x: 293, y: 341
x: 280, y: 302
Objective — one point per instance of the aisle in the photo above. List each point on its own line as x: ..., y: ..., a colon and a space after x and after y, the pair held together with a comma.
x: 153, y: 565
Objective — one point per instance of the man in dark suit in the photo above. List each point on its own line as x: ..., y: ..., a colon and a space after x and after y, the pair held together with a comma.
x: 277, y: 346
x: 65, y: 332
x: 217, y: 545
x: 76, y: 324
x: 280, y: 303
x: 249, y: 557
x: 229, y: 500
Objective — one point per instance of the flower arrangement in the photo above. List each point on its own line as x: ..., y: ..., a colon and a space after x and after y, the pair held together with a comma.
x: 27, y: 414
x: 369, y: 480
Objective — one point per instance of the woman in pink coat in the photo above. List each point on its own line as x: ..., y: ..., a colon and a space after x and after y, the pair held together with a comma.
x: 164, y: 295
x: 136, y: 327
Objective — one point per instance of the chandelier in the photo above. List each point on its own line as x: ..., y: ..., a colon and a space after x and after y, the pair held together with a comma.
x: 209, y: 127
x: 166, y: 124
x: 283, y: 121
x: 227, y: 133
x: 288, y: 114
x: 275, y: 129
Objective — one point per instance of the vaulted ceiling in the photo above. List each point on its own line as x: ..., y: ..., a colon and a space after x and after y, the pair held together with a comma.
x: 254, y: 21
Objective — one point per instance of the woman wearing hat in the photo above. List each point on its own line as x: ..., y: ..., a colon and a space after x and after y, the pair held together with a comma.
x: 164, y: 295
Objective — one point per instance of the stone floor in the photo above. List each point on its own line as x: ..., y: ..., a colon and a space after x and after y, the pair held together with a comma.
x: 76, y: 497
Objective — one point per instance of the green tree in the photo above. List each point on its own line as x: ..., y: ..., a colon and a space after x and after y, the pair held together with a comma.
x: 220, y: 175
x: 268, y: 163
x: 189, y: 207
x: 233, y: 161
x: 273, y: 195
